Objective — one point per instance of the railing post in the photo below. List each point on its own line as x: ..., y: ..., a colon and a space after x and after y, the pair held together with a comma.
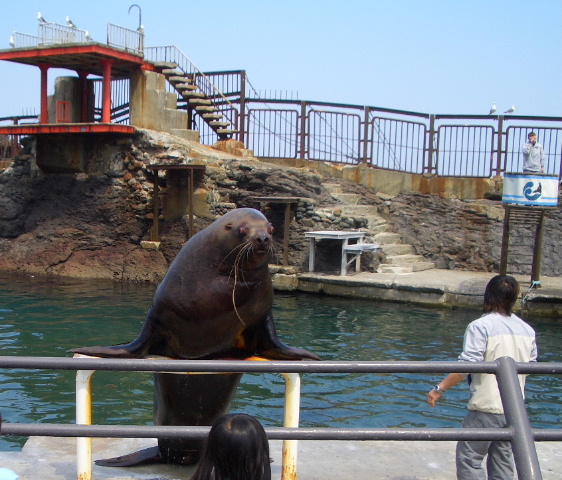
x: 366, y: 139
x: 291, y: 420
x: 524, y: 452
x: 430, y: 147
x: 242, y: 114
x: 84, y: 417
x: 499, y: 147
x: 303, y: 132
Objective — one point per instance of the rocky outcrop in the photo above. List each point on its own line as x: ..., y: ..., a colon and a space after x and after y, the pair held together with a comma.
x: 92, y: 226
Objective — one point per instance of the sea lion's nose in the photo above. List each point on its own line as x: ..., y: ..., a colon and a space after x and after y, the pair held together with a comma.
x: 263, y: 239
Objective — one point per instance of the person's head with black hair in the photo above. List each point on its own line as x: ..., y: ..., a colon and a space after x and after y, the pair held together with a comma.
x: 501, y: 294
x: 236, y: 449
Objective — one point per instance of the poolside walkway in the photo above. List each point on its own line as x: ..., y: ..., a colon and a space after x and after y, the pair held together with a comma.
x: 55, y: 459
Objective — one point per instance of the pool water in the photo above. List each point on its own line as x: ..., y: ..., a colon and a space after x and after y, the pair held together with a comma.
x: 41, y: 317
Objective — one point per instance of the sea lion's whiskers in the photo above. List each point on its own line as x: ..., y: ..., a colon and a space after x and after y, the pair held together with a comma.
x: 245, y: 249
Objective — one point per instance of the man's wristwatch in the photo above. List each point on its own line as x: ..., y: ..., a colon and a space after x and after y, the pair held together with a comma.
x: 438, y: 389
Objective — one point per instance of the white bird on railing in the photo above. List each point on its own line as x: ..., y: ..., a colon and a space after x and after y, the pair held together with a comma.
x: 40, y: 18
x: 87, y: 35
x: 493, y: 109
x: 140, y: 29
x: 511, y: 110
x: 12, y: 41
x: 69, y: 22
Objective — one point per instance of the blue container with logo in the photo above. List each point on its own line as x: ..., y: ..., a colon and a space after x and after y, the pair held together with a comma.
x: 533, y: 189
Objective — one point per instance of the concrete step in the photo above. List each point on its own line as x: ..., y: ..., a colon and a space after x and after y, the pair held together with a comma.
x: 226, y: 131
x: 165, y: 64
x: 187, y: 94
x: 178, y: 79
x: 205, y: 108
x: 212, y: 116
x: 410, y: 268
x: 199, y: 101
x: 333, y: 187
x: 219, y: 124
x: 397, y: 249
x: 348, y: 198
x: 404, y: 259
x: 185, y: 86
x: 171, y: 72
x: 388, y: 237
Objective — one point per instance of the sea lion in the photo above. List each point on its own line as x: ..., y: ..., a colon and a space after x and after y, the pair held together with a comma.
x: 214, y: 302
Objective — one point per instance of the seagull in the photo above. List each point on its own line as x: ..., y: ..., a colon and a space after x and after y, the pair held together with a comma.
x: 40, y: 18
x: 493, y: 109
x: 12, y: 41
x: 140, y: 29
x: 511, y: 110
x: 69, y: 22
x: 87, y: 35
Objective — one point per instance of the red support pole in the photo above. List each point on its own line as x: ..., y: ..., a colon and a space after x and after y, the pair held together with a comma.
x: 106, y: 101
x: 84, y: 107
x: 44, y: 116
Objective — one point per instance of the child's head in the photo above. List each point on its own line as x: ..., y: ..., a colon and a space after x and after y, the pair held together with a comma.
x: 236, y: 449
x: 501, y: 294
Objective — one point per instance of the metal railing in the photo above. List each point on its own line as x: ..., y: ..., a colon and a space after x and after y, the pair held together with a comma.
x: 412, y: 142
x: 519, y: 431
x: 129, y: 40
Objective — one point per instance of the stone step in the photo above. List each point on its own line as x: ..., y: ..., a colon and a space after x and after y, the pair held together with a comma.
x: 388, y: 237
x: 360, y: 210
x: 401, y: 269
x: 204, y: 108
x: 397, y: 249
x: 165, y: 64
x: 173, y: 72
x: 212, y: 116
x: 199, y: 101
x: 404, y: 259
x: 333, y: 187
x: 185, y: 86
x: 187, y: 94
x: 348, y: 198
x: 219, y: 124
x: 178, y: 79
x: 226, y: 131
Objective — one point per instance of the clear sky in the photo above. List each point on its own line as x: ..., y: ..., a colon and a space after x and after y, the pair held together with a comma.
x: 430, y: 56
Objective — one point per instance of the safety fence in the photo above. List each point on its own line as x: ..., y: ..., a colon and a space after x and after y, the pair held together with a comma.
x: 412, y: 142
x: 518, y: 432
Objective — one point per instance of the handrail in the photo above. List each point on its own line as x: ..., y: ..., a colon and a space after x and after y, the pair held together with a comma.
x: 519, y: 433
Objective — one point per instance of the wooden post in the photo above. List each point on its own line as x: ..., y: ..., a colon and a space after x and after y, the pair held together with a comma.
x: 154, y: 233
x: 505, y: 241
x: 537, y: 252
x: 286, y: 234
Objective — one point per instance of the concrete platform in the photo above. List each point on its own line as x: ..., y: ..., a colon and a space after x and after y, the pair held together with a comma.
x: 48, y: 458
x: 430, y: 288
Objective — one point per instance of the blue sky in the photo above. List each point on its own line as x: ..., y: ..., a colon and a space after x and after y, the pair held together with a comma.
x: 433, y: 56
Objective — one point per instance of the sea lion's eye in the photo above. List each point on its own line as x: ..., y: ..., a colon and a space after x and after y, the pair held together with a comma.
x: 228, y: 226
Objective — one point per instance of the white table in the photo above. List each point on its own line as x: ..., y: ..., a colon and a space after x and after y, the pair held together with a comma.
x: 342, y: 235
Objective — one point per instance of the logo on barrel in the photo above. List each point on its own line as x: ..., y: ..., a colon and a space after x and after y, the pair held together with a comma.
x: 531, y: 191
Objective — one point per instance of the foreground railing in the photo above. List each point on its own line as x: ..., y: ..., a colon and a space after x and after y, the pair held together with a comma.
x: 519, y: 432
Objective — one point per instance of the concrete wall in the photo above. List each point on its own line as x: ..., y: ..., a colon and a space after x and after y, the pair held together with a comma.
x: 395, y: 183
x: 151, y: 106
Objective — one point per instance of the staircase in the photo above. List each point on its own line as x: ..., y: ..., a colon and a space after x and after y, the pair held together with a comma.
x: 398, y: 257
x: 196, y: 100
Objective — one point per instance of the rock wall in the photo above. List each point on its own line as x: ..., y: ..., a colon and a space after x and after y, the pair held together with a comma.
x: 92, y: 226
x: 467, y: 235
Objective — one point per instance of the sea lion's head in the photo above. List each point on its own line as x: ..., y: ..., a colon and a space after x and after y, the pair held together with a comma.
x: 247, y: 236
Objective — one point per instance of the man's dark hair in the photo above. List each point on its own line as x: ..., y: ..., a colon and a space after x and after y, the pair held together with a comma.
x: 501, y: 294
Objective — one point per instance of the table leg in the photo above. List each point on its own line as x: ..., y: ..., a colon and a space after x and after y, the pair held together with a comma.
x: 343, y: 270
x: 311, y: 255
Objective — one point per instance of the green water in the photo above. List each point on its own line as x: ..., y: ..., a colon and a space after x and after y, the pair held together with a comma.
x: 46, y: 318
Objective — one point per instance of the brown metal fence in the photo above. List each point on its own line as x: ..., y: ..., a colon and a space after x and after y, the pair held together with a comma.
x: 413, y: 142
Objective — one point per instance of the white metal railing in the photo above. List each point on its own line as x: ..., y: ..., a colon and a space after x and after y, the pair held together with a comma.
x: 54, y: 33
x: 84, y: 417
x: 130, y: 40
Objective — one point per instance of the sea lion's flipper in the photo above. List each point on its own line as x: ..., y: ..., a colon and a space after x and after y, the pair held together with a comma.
x: 268, y: 345
x: 138, y: 348
x: 141, y: 457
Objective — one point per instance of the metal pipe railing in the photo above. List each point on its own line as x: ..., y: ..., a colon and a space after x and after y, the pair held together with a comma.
x: 519, y: 432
